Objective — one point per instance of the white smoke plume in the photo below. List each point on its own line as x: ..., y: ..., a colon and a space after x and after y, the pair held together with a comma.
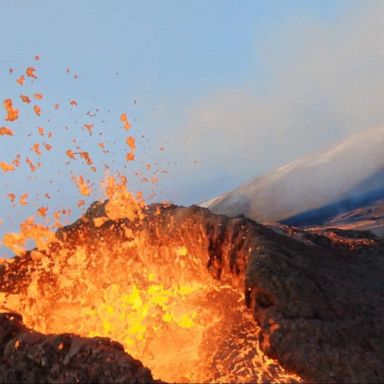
x: 325, y: 82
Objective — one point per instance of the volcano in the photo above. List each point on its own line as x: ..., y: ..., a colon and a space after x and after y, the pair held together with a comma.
x: 313, y: 189
x: 268, y: 283
x: 196, y: 297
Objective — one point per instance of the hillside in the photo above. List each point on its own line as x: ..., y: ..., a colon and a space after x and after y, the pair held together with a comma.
x: 346, y: 173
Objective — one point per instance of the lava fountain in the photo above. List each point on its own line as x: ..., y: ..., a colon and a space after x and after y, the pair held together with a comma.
x: 168, y: 283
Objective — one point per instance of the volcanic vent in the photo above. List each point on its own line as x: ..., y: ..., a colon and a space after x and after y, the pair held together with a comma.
x: 168, y: 285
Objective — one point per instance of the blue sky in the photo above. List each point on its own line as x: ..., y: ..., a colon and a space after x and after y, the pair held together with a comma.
x: 209, y: 79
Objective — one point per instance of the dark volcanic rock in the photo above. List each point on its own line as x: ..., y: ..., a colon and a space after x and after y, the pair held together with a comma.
x: 31, y: 357
x: 323, y: 314
x: 320, y: 307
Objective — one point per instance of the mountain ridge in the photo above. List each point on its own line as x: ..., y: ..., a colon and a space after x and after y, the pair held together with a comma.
x: 348, y: 170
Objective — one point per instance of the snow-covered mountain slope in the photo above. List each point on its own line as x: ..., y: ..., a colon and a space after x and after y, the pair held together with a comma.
x: 347, y: 171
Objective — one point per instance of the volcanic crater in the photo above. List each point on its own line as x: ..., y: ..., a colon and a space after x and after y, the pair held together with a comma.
x: 196, y: 297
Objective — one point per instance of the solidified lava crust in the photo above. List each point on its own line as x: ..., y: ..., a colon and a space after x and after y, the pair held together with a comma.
x: 31, y: 357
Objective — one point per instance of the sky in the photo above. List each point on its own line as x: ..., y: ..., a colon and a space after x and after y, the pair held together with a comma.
x: 218, y: 92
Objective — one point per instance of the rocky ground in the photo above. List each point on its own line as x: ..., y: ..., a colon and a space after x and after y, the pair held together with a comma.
x: 318, y: 297
x: 31, y: 357
x: 369, y: 217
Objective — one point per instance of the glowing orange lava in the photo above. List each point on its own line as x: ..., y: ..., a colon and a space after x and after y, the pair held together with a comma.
x: 108, y: 277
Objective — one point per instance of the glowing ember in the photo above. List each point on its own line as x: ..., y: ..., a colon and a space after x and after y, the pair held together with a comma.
x: 4, y: 131
x: 125, y: 121
x: 130, y: 156
x: 36, y: 149
x: 6, y: 167
x: 89, y: 128
x: 23, y: 199
x: 12, y: 113
x: 42, y: 211
x: 25, y: 99
x: 30, y: 72
x: 37, y: 110
x: 21, y: 80
x: 82, y: 185
x: 85, y: 156
x: 70, y: 154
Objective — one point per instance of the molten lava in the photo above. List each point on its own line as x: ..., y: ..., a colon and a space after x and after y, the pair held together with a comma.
x: 124, y: 279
